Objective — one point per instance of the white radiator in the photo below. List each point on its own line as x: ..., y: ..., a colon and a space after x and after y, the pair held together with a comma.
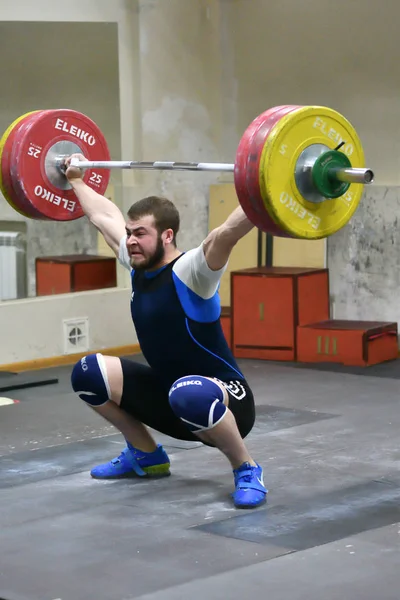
x: 12, y: 265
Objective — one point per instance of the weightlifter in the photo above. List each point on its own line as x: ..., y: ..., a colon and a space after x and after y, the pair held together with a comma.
x: 192, y: 388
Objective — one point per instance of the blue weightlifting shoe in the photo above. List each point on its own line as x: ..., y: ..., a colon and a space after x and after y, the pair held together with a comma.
x: 133, y: 462
x: 249, y: 486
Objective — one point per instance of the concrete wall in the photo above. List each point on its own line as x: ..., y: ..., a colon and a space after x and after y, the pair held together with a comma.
x: 181, y: 109
x: 344, y: 55
x: 364, y: 259
x: 341, y: 54
x: 191, y: 77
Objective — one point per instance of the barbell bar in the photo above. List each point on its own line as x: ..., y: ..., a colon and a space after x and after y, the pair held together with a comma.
x: 299, y: 170
x: 160, y: 165
x: 363, y: 176
x: 351, y: 175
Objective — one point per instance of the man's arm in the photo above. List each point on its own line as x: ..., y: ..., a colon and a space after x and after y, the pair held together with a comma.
x: 101, y: 212
x: 219, y: 243
x: 201, y: 268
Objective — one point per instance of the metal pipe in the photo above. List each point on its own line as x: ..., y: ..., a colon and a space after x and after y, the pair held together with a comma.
x: 352, y: 175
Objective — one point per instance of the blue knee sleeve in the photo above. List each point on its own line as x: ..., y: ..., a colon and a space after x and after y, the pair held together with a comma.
x: 89, y: 380
x: 198, y: 402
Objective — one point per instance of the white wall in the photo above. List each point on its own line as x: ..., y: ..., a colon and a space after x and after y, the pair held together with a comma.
x: 101, y: 11
x: 32, y: 329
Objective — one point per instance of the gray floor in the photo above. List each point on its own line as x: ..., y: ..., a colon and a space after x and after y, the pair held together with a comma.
x: 328, y: 442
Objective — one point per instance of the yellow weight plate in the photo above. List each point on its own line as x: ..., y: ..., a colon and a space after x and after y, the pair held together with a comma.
x: 287, y: 140
x: 3, y: 141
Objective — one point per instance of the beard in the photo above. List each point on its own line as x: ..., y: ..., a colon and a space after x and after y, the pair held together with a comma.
x: 151, y: 261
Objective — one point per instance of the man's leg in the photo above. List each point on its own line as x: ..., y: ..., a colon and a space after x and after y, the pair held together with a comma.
x: 132, y: 430
x: 226, y: 437
x: 99, y: 381
x: 202, y: 404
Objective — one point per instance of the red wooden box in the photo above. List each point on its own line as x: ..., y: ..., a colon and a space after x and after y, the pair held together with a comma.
x: 268, y: 303
x: 226, y: 323
x: 357, y: 343
x: 74, y: 273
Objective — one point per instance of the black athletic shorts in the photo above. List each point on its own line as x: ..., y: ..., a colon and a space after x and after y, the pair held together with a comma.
x: 146, y: 399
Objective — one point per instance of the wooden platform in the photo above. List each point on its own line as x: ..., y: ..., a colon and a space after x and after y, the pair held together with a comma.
x: 357, y: 343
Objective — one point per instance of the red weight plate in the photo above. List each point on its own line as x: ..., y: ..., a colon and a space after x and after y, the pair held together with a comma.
x: 247, y: 171
x: 6, y: 183
x: 244, y: 159
x: 247, y: 168
x: 257, y: 216
x: 37, y: 144
x: 253, y: 168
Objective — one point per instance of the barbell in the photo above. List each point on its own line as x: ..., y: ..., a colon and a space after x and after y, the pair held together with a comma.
x: 299, y: 170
